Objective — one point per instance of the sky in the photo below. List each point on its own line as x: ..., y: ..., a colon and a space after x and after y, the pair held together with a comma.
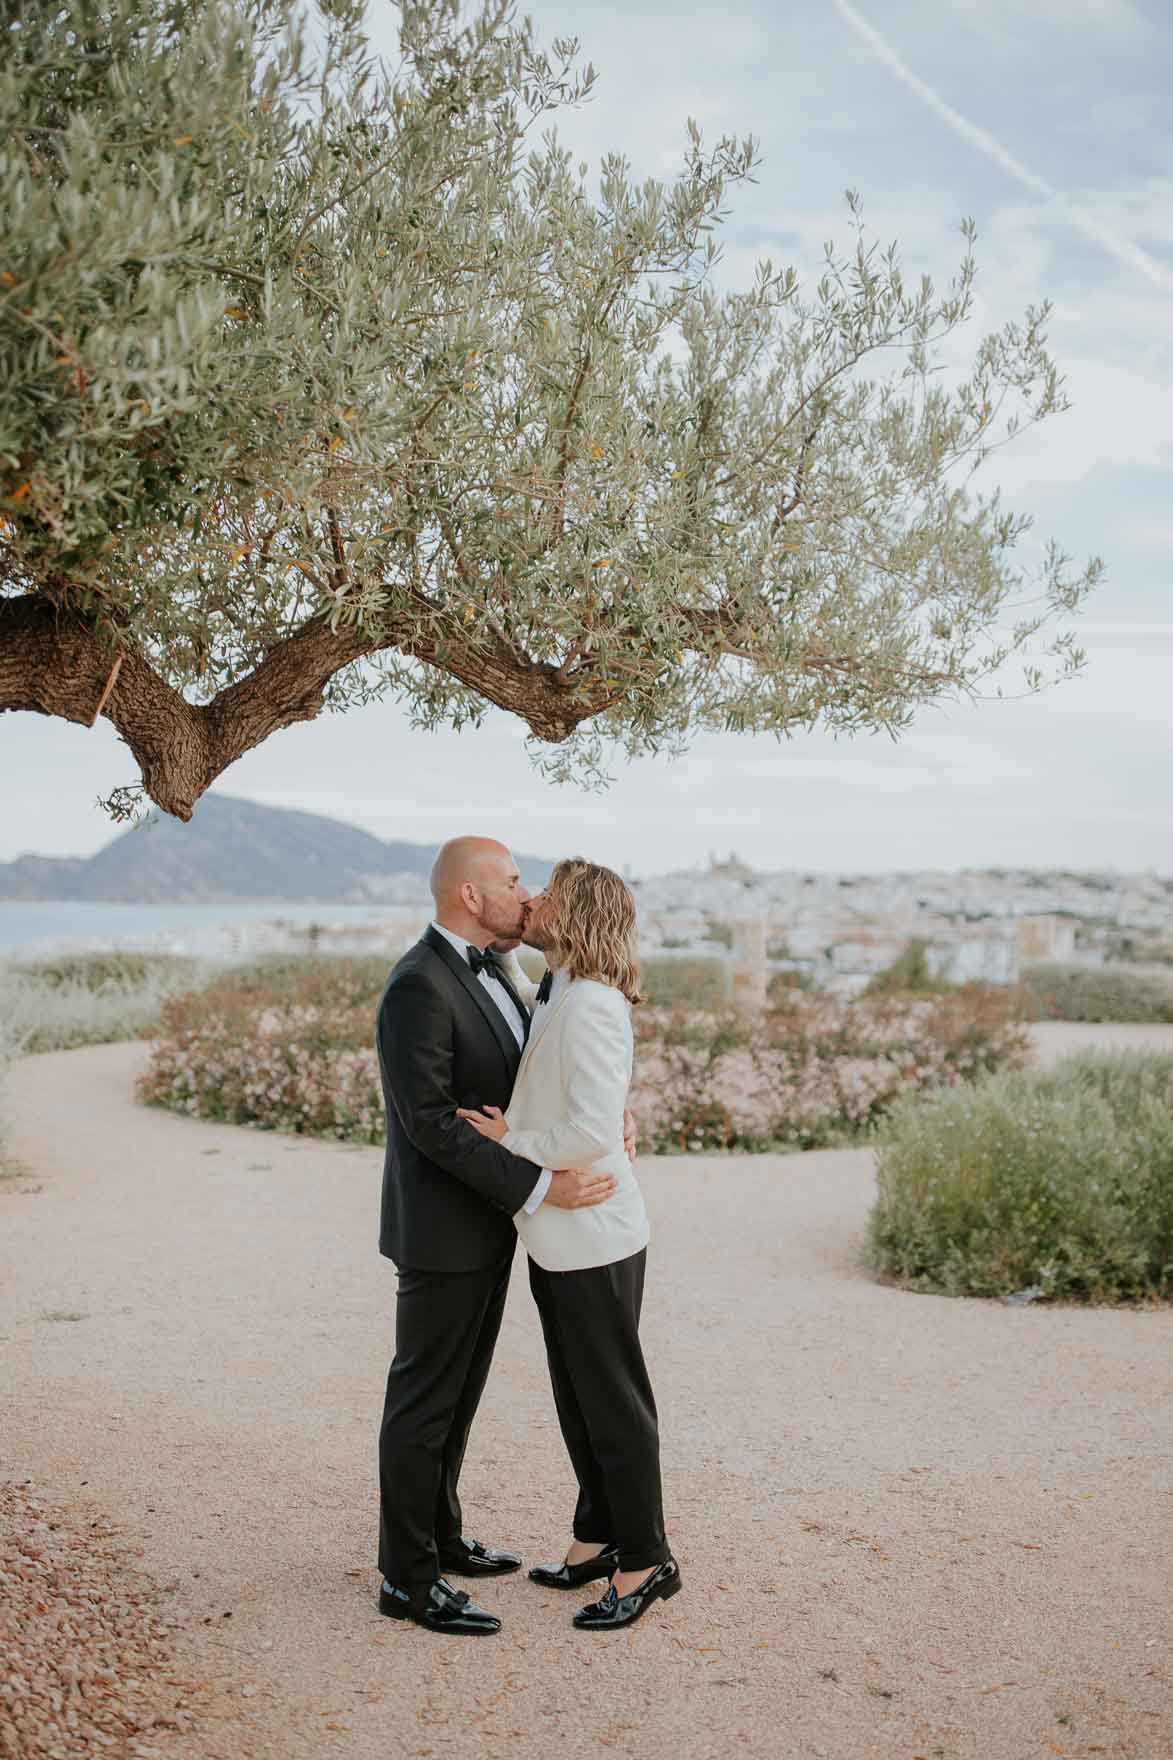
x: 1050, y: 122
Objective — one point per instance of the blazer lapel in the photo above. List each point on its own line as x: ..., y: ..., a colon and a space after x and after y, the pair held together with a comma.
x: 532, y: 1043
x: 463, y: 972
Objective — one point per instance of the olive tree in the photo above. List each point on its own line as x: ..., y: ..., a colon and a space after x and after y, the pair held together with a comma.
x: 324, y: 377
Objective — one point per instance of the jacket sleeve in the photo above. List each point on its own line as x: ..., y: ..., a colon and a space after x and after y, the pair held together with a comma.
x: 415, y: 1043
x: 596, y: 1070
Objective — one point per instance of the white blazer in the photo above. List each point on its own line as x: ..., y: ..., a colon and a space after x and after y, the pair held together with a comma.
x: 567, y: 1111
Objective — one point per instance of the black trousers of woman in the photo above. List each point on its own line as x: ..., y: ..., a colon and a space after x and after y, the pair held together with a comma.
x: 605, y: 1405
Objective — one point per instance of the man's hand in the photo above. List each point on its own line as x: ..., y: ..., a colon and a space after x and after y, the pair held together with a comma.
x: 628, y: 1134
x: 578, y: 1189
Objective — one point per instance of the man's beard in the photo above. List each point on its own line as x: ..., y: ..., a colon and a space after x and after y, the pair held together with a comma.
x: 511, y: 928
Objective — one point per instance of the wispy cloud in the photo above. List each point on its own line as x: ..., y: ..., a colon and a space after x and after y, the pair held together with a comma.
x: 1123, y: 249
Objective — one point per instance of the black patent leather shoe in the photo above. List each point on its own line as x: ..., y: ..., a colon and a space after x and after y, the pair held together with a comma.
x: 468, y: 1558
x: 573, y: 1576
x: 613, y: 1611
x: 446, y: 1610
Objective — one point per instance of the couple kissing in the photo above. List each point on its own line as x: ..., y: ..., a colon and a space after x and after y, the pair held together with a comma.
x: 506, y: 1116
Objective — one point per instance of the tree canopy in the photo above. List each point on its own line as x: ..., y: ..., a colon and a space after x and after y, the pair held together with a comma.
x: 324, y: 377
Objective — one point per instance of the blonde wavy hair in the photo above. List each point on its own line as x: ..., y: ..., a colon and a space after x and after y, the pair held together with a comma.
x: 589, y: 918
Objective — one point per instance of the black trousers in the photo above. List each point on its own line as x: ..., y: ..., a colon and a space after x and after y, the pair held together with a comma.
x: 605, y: 1404
x: 446, y: 1325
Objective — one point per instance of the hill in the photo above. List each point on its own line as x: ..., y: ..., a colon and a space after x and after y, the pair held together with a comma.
x: 232, y: 850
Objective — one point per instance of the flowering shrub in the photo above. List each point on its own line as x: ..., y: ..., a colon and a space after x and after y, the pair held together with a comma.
x: 293, y: 1050
x: 288, y: 1050
x: 821, y: 1069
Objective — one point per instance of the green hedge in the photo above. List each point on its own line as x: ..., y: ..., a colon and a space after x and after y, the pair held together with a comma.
x: 1057, y: 1182
x: 908, y: 975
x: 87, y: 999
x: 1103, y: 993
x: 685, y: 983
x: 125, y: 968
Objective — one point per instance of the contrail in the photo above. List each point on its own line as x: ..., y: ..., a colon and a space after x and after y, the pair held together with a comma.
x: 1116, y: 246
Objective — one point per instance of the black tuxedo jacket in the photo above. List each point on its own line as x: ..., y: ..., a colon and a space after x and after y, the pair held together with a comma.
x: 449, y: 1194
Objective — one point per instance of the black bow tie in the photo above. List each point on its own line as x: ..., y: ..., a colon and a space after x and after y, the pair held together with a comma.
x: 479, y: 959
x: 546, y: 985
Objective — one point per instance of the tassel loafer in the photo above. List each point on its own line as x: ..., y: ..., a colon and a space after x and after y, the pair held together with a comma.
x: 468, y: 1558
x: 573, y: 1576
x: 445, y: 1610
x: 613, y: 1611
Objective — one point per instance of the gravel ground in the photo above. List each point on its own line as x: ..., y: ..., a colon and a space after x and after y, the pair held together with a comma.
x: 89, y: 1665
x: 908, y: 1526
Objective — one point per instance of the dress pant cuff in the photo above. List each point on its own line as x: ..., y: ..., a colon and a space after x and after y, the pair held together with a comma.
x: 645, y: 1560
x: 415, y: 1588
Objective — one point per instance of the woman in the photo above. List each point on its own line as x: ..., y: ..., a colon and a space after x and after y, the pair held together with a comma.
x: 587, y: 1266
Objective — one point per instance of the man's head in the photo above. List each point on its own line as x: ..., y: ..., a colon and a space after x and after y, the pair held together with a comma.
x: 478, y: 891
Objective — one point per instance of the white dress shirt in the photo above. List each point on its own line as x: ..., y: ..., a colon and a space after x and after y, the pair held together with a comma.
x: 507, y: 1009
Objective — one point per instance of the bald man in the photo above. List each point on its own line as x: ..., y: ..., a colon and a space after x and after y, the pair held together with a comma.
x: 452, y: 1025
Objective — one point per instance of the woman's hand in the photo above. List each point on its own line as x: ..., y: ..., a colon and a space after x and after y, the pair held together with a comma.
x: 490, y: 1122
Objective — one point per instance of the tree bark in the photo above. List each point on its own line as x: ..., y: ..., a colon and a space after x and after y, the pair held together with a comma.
x: 53, y: 662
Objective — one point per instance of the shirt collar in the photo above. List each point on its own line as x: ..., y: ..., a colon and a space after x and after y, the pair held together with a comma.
x: 459, y: 942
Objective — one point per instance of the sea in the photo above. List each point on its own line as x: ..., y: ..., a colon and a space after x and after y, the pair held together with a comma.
x: 210, y: 931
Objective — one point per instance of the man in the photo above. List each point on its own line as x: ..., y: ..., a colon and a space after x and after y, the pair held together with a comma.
x: 451, y: 1029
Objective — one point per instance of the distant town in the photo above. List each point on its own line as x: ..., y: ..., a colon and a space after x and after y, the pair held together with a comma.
x: 244, y: 879
x: 839, y: 930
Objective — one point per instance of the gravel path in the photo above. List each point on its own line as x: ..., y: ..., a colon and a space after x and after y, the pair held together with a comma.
x: 908, y: 1526
x: 87, y: 1646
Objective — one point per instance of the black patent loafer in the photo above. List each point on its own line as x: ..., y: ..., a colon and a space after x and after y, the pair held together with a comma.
x: 468, y: 1558
x: 613, y: 1611
x: 573, y: 1576
x: 446, y: 1610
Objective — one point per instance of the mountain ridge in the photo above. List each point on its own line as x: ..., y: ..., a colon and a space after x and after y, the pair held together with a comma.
x: 232, y: 851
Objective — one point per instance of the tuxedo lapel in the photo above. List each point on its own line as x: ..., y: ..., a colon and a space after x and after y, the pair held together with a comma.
x: 477, y: 994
